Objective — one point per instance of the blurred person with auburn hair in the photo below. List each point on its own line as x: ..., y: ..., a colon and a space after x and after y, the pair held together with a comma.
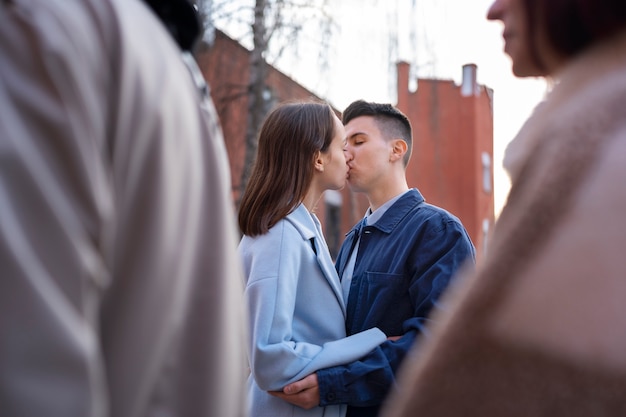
x: 540, y: 328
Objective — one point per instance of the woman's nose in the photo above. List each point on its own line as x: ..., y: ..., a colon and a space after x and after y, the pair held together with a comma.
x: 496, y: 10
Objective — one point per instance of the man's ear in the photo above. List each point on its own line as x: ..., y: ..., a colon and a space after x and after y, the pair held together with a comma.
x: 318, y: 162
x: 398, y: 149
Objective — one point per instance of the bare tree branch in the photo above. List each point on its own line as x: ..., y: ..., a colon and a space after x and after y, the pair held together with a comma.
x: 271, y: 29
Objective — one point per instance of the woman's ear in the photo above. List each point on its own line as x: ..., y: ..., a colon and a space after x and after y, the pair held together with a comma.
x: 398, y: 149
x: 318, y: 161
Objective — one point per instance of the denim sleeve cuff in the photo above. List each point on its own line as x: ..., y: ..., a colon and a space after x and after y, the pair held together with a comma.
x: 328, y: 380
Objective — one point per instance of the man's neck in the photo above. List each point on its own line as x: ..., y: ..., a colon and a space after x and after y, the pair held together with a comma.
x: 381, y: 195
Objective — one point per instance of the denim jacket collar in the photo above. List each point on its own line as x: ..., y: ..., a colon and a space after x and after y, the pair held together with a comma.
x: 392, y: 217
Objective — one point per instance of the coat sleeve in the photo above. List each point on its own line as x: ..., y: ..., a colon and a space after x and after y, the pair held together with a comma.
x: 276, y: 357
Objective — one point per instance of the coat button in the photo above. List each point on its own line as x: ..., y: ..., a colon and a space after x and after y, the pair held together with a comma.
x: 331, y: 396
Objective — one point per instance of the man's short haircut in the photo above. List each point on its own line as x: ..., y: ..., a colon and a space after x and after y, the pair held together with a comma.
x: 393, y: 124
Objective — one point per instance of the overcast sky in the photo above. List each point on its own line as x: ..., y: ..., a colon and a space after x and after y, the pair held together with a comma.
x: 438, y: 37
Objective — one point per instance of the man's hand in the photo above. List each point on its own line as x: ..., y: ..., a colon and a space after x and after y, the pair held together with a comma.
x: 304, y: 393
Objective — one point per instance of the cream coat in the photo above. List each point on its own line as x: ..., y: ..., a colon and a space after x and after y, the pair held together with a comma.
x: 540, y: 328
x: 120, y: 288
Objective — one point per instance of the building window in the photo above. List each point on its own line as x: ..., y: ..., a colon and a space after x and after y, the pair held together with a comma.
x: 486, y: 225
x: 486, y: 159
x: 332, y: 227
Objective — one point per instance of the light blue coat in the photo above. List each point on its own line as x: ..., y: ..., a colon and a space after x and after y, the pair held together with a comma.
x: 296, y: 313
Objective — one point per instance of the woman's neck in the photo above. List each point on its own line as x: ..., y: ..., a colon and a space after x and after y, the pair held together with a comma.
x: 311, y: 198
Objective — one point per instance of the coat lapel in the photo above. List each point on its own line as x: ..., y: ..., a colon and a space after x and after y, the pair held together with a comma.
x: 310, y: 229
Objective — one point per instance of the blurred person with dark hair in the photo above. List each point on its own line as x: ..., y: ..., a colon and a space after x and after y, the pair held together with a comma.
x: 540, y: 328
x: 393, y: 265
x: 120, y: 287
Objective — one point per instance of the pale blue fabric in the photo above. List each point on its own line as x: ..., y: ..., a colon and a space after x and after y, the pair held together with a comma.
x: 296, y: 313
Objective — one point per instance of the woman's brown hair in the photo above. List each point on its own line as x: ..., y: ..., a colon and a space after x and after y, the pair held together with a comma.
x: 289, y: 140
x: 573, y: 25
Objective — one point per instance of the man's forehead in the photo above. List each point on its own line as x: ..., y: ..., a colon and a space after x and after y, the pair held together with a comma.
x: 361, y: 125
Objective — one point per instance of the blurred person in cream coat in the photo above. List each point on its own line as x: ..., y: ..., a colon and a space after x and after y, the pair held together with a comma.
x: 120, y: 288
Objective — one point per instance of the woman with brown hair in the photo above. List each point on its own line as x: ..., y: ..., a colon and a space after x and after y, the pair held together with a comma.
x: 540, y: 328
x: 293, y: 294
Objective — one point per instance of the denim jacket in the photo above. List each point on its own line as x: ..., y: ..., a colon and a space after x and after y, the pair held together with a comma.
x: 405, y: 261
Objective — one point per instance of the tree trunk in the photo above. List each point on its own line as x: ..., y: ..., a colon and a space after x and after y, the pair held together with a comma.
x: 257, y: 107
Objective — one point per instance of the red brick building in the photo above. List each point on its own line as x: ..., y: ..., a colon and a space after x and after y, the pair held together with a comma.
x: 452, y: 149
x: 452, y: 161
